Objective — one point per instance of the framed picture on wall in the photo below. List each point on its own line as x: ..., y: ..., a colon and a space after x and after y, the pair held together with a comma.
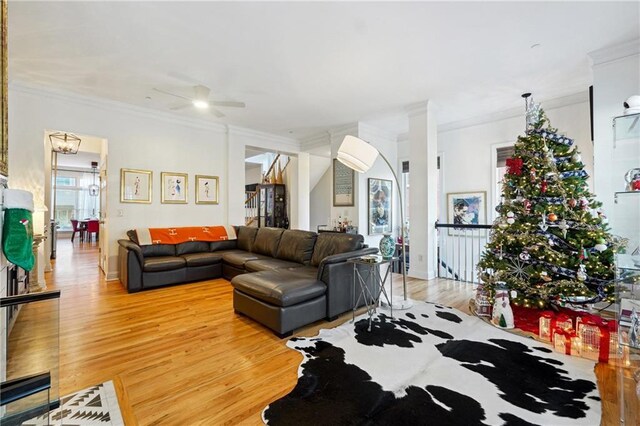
x: 135, y: 186
x: 343, y: 184
x: 174, y: 188
x: 379, y: 207
x: 207, y: 189
x: 466, y: 208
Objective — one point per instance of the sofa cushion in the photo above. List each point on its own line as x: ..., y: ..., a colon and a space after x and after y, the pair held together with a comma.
x: 329, y: 244
x: 192, y: 247
x: 163, y: 263
x: 155, y: 250
x: 246, y: 236
x: 267, y: 240
x: 223, y: 245
x: 279, y: 288
x: 310, y: 271
x: 238, y: 258
x: 297, y: 246
x: 202, y: 259
x: 269, y: 265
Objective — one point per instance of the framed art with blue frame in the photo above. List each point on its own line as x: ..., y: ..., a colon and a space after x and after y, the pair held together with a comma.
x: 380, y: 199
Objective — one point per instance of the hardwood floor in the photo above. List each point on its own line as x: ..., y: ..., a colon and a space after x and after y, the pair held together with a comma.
x: 181, y: 356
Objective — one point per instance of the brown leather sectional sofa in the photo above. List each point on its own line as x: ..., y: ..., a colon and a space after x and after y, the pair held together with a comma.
x: 283, y: 279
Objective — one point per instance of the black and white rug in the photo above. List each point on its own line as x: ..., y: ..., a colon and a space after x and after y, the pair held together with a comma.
x: 434, y: 365
x: 97, y: 405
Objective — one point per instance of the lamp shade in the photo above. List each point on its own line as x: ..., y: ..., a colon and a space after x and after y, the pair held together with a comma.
x: 357, y: 154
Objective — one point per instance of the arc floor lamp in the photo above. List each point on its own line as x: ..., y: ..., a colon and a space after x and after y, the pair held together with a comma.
x: 360, y: 155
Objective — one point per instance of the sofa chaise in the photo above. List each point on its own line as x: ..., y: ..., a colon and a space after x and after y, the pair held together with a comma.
x: 283, y: 279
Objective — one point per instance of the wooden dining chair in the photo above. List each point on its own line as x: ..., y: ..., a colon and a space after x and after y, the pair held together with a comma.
x: 77, y: 228
x: 93, y: 227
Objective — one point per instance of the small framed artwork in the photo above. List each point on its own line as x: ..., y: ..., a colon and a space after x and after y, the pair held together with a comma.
x: 207, y: 189
x: 174, y: 188
x: 380, y: 196
x: 466, y: 208
x: 343, y: 184
x: 135, y: 186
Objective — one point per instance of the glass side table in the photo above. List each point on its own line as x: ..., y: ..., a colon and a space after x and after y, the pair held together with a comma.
x: 371, y: 296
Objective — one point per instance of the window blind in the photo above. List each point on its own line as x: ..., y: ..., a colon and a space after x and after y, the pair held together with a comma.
x: 504, y: 153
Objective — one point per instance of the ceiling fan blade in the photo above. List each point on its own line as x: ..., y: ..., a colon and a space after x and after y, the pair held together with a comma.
x: 228, y: 104
x: 172, y: 94
x: 179, y: 107
x: 216, y: 113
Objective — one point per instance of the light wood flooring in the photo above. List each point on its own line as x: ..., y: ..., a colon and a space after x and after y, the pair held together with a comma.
x: 181, y: 356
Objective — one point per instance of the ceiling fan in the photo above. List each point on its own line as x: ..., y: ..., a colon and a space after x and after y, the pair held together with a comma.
x: 201, y: 100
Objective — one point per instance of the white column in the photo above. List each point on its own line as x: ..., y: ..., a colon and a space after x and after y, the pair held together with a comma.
x: 235, y: 180
x: 303, y: 189
x: 423, y: 169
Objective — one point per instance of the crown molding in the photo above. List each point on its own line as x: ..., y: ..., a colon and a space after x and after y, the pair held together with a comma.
x: 417, y: 108
x: 377, y: 132
x: 549, y: 104
x: 615, y: 52
x: 263, y: 136
x: 316, y: 141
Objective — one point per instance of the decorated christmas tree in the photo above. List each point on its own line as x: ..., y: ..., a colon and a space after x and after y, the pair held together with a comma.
x: 550, y: 244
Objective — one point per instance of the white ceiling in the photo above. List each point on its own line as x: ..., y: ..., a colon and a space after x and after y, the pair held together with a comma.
x: 304, y: 67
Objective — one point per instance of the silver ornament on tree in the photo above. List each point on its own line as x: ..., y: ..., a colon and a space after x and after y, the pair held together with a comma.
x: 564, y: 226
x: 524, y: 256
x: 581, y: 275
x: 511, y: 218
x: 543, y: 225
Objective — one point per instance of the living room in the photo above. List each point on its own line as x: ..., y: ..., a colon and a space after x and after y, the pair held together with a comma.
x: 431, y: 84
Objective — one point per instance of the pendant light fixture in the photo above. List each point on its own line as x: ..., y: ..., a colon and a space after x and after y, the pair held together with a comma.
x: 94, y: 189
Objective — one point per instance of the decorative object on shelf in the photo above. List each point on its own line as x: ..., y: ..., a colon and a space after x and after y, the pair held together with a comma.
x: 34, y: 280
x: 343, y: 185
x: 387, y: 246
x: 173, y: 188
x: 632, y: 177
x: 359, y: 155
x: 380, y: 199
x: 502, y: 315
x: 466, y: 208
x: 632, y: 105
x: 135, y: 186
x: 207, y: 189
x: 634, y: 330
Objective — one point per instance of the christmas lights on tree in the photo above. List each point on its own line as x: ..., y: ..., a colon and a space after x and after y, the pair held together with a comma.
x: 550, y: 244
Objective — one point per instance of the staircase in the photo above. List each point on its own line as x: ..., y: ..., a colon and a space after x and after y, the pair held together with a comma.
x: 251, y: 208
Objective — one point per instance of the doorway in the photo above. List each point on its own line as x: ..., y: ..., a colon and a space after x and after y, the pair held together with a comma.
x: 76, y: 195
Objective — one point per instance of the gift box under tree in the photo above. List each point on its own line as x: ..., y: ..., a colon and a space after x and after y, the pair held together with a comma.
x: 598, y: 338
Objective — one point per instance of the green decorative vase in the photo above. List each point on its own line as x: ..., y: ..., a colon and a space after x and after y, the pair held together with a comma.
x: 387, y: 246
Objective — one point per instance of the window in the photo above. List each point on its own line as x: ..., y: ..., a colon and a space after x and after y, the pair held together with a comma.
x: 72, y: 198
x: 65, y: 181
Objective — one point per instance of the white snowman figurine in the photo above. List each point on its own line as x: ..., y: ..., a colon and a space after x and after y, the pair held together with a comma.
x: 502, y: 307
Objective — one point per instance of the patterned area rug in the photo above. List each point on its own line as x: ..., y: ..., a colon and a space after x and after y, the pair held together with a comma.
x: 97, y: 405
x: 434, y: 365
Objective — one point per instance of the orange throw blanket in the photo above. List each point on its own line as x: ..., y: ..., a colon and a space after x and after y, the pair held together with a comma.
x: 148, y: 236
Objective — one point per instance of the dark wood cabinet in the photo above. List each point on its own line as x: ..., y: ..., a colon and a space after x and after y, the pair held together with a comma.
x: 272, y: 206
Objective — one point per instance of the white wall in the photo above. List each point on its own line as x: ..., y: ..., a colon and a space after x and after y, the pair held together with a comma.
x: 140, y: 139
x: 616, y: 76
x: 321, y: 200
x: 467, y: 150
x: 252, y: 173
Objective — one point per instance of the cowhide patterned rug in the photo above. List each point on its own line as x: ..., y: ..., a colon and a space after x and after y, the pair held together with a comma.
x: 434, y: 365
